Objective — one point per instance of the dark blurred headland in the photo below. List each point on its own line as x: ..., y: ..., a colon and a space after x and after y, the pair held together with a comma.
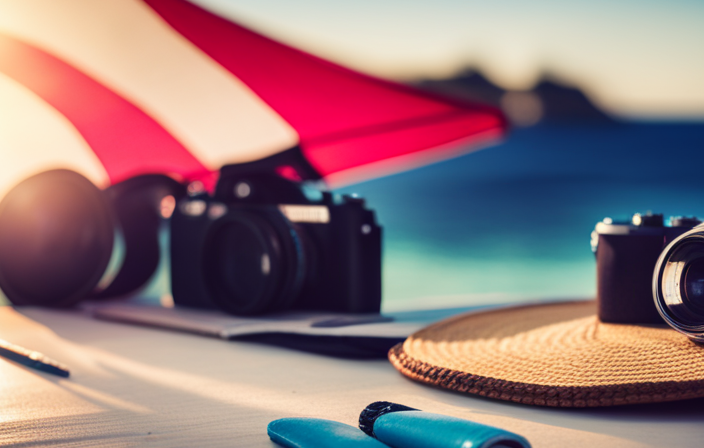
x: 550, y: 100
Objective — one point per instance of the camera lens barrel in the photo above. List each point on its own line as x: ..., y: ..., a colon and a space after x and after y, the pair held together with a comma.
x: 253, y: 262
x: 678, y: 284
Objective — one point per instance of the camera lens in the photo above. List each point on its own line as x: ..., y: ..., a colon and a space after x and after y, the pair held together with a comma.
x: 253, y: 263
x: 678, y: 284
x: 56, y: 239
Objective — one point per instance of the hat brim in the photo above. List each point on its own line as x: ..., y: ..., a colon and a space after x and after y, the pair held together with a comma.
x: 556, y: 354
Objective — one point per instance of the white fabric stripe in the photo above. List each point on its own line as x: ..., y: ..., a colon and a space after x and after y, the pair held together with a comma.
x: 35, y: 137
x: 125, y: 45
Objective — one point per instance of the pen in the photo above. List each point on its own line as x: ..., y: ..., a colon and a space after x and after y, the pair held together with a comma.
x: 399, y: 426
x: 32, y: 359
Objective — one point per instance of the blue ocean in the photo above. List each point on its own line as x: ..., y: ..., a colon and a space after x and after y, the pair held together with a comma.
x: 512, y: 222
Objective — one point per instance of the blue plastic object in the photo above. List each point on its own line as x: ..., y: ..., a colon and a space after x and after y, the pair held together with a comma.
x: 417, y: 429
x: 318, y: 433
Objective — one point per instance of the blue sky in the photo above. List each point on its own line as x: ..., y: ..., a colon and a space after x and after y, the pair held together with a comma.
x: 639, y: 58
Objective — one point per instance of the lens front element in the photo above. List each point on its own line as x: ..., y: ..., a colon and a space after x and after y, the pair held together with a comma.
x: 694, y: 286
x: 678, y: 284
x: 253, y: 265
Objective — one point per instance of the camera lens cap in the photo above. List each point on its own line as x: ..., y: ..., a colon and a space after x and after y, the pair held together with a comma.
x: 56, y: 239
x: 253, y: 262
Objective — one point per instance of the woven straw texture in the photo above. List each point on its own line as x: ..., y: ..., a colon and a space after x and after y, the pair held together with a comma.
x: 554, y: 355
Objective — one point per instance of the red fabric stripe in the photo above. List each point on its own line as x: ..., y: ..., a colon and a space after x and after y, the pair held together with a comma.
x: 328, y: 105
x: 338, y: 156
x: 126, y: 140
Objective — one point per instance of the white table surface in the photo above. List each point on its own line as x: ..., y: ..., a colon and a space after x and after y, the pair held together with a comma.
x: 134, y: 386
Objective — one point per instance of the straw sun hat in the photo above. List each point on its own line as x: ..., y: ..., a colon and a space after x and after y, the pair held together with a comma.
x: 556, y: 354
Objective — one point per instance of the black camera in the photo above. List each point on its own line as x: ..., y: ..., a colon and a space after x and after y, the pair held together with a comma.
x: 261, y: 244
x: 626, y: 255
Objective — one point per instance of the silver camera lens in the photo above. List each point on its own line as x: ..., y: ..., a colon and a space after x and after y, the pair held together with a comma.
x: 678, y: 284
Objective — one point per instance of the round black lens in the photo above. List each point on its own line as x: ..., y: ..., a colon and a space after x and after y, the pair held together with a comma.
x: 56, y: 238
x: 252, y: 265
x: 693, y: 294
x: 243, y: 262
x: 678, y: 284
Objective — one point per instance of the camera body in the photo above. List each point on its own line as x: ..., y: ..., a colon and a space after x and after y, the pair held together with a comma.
x: 260, y: 245
x: 626, y: 255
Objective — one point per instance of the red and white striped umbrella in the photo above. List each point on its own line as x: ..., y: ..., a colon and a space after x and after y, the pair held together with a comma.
x: 114, y: 88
